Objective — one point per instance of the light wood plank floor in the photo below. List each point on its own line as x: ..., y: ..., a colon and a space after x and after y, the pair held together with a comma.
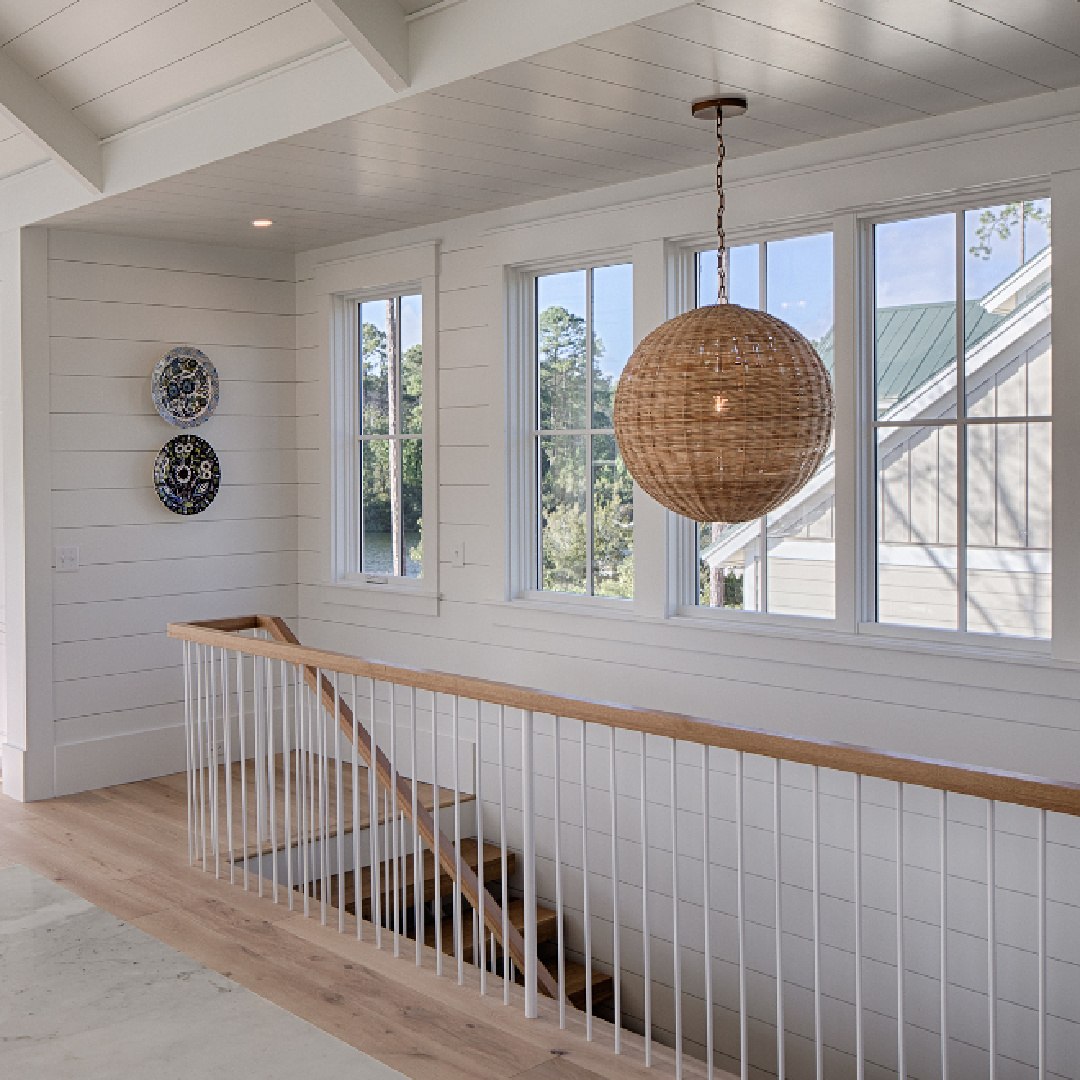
x: 125, y: 850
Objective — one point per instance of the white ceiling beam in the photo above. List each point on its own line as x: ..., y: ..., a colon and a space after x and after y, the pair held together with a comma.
x: 51, y: 125
x: 378, y: 31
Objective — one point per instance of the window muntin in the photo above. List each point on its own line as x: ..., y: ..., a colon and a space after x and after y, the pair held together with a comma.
x: 389, y: 444
x: 785, y: 565
x: 963, y: 451
x: 582, y: 338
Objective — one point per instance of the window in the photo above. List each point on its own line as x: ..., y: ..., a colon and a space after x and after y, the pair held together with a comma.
x: 785, y: 564
x: 963, y: 451
x: 583, y: 336
x: 389, y: 447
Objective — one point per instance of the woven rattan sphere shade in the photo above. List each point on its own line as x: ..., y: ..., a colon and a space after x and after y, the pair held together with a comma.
x: 723, y: 413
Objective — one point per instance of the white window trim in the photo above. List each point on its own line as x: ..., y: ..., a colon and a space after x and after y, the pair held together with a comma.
x: 868, y: 625
x: 523, y: 583
x: 685, y: 605
x: 340, y: 286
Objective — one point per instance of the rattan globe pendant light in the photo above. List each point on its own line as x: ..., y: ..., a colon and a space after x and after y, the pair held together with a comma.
x: 723, y: 413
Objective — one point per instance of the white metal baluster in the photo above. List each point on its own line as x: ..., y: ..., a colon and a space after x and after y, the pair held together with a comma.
x: 301, y: 786
x: 646, y: 939
x: 586, y: 913
x: 258, y: 690
x: 860, y: 1055
x: 558, y: 875
x: 991, y: 934
x: 357, y: 873
x: 528, y: 786
x: 374, y: 895
x: 901, y: 960
x: 200, y: 743
x: 188, y: 726
x: 324, y: 798
x: 393, y: 818
x: 479, y: 926
x: 707, y: 900
x: 271, y: 773
x: 340, y: 805
x: 675, y: 909
x: 297, y: 764
x: 313, y: 782
x: 459, y: 929
x: 1041, y: 871
x: 819, y: 1048
x: 226, y: 723
x: 615, y: 931
x: 241, y: 711
x: 944, y: 977
x: 740, y: 871
x: 417, y: 848
x: 402, y: 855
x: 779, y: 929
x: 436, y: 803
x: 286, y: 763
x: 211, y: 757
x: 389, y: 861
x: 503, y: 858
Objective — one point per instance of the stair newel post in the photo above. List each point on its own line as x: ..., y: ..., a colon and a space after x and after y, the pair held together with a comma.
x: 528, y: 808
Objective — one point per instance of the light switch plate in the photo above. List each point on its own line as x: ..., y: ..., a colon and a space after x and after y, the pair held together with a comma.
x: 457, y: 553
x: 67, y: 559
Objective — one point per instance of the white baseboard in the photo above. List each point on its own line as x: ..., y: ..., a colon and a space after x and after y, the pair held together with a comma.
x: 14, y: 778
x: 118, y: 759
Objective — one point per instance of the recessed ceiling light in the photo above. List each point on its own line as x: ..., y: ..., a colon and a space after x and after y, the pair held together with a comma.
x: 262, y: 223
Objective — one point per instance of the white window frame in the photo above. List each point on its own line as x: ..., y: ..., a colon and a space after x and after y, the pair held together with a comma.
x: 866, y: 549
x: 341, y: 286
x: 524, y: 525
x: 686, y: 585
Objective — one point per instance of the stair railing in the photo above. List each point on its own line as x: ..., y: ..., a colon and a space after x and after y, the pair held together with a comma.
x: 742, y: 899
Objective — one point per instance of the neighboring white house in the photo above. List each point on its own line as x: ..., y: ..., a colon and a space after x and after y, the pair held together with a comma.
x: 1008, y: 483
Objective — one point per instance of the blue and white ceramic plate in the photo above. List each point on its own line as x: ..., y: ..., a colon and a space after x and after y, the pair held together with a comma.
x: 185, y: 387
x: 187, y: 474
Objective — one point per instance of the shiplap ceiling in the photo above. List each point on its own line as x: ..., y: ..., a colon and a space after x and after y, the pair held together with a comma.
x: 602, y: 110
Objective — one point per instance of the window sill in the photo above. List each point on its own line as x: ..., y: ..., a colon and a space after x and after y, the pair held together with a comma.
x: 956, y: 642
x: 573, y: 604
x: 383, y: 594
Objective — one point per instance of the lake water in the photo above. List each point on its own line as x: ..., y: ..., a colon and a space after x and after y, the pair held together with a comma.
x: 379, y: 554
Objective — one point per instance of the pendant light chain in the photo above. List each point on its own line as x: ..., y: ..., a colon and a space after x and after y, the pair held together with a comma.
x: 721, y: 249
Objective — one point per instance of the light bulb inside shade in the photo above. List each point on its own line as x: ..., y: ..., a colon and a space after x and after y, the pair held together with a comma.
x: 262, y: 223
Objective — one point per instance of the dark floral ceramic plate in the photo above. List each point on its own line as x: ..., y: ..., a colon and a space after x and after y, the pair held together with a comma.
x: 187, y: 474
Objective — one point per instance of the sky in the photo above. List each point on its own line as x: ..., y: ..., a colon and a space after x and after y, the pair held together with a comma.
x: 374, y: 312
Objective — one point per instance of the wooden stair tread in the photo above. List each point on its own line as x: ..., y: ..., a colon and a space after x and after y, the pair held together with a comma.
x: 603, y: 986
x: 547, y: 927
x: 492, y: 871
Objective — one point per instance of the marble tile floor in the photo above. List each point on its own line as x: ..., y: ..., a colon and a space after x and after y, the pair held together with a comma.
x: 85, y: 995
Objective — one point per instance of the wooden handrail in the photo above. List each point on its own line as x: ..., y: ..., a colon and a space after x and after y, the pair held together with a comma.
x: 984, y: 783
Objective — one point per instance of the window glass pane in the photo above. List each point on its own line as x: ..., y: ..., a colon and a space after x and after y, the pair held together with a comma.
x: 376, y: 538
x: 613, y: 521
x: 1008, y: 511
x: 916, y: 526
x: 412, y: 499
x: 1007, y: 281
x: 743, y: 281
x: 915, y: 280
x: 373, y: 360
x: 613, y: 335
x: 561, y: 350
x: 729, y: 566
x: 801, y: 544
x: 411, y: 364
x: 563, y: 521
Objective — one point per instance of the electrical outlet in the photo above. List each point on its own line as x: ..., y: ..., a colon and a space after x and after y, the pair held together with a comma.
x: 219, y: 750
x: 67, y: 559
x: 457, y: 553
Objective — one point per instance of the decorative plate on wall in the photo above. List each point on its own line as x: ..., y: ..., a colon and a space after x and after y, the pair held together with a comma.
x: 185, y: 387
x: 187, y: 474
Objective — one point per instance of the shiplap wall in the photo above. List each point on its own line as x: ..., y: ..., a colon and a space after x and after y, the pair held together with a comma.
x: 116, y: 305
x: 987, y: 707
